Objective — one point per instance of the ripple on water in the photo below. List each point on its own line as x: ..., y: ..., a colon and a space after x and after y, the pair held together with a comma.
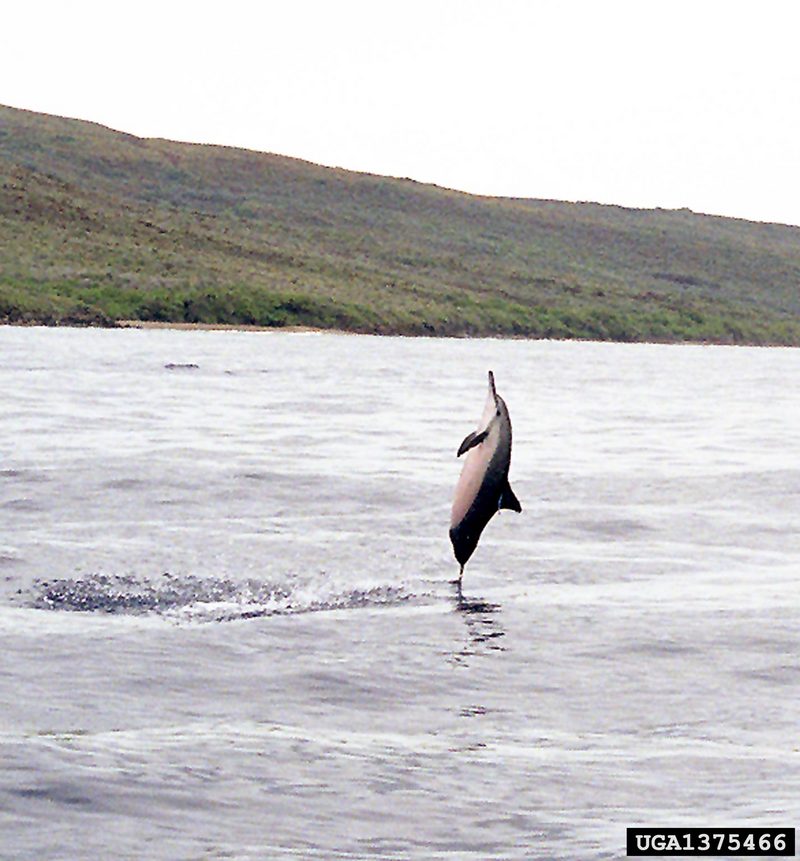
x: 22, y: 503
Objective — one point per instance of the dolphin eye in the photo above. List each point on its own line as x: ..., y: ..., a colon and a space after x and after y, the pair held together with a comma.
x: 498, y: 413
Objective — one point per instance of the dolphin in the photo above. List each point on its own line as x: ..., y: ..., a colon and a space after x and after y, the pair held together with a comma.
x: 483, y: 487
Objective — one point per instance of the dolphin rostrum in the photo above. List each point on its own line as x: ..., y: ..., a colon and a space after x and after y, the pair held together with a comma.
x: 483, y: 486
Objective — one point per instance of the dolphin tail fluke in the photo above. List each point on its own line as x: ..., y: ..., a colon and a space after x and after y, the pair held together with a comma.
x: 509, y: 500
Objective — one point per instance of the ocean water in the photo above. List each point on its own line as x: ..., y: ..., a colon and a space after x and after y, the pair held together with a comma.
x: 228, y: 628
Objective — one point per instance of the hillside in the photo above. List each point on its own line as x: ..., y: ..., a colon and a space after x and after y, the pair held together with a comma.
x: 98, y: 225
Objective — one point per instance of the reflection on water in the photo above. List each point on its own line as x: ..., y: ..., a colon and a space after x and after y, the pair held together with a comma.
x: 482, y: 624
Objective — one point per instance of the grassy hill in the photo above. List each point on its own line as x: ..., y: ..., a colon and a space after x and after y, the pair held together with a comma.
x: 97, y: 225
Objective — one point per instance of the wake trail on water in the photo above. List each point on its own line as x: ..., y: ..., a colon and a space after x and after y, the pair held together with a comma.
x: 209, y: 599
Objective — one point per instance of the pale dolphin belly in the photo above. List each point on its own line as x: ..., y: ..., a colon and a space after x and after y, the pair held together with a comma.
x: 473, y: 475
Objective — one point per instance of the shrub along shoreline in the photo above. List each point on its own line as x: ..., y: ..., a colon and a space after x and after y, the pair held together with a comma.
x: 260, y: 310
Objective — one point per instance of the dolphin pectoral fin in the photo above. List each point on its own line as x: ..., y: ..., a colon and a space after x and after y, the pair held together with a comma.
x: 508, y: 499
x: 471, y: 440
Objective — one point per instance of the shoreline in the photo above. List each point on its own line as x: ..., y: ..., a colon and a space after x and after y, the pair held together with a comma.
x: 222, y: 327
x: 247, y: 327
x: 298, y: 329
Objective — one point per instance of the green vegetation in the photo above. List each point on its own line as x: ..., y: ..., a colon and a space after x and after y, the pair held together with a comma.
x: 97, y: 226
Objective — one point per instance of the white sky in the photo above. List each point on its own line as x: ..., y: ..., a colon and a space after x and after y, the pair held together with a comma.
x: 640, y: 103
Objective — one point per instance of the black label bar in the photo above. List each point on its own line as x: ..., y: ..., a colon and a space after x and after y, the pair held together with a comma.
x: 710, y: 842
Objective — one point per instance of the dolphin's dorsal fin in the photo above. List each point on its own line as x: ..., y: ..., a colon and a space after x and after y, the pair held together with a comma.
x: 471, y: 440
x: 508, y: 499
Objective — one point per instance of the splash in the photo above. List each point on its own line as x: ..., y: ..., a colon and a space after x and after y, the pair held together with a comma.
x: 204, y: 599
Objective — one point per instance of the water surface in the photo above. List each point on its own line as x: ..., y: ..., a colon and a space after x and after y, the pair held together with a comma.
x: 228, y: 628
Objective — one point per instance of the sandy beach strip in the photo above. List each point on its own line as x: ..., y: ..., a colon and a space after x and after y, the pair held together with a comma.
x: 222, y: 327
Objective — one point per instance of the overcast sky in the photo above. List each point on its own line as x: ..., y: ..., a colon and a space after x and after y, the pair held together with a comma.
x: 639, y: 103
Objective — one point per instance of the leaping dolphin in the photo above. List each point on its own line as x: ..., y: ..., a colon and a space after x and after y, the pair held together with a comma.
x: 483, y: 486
